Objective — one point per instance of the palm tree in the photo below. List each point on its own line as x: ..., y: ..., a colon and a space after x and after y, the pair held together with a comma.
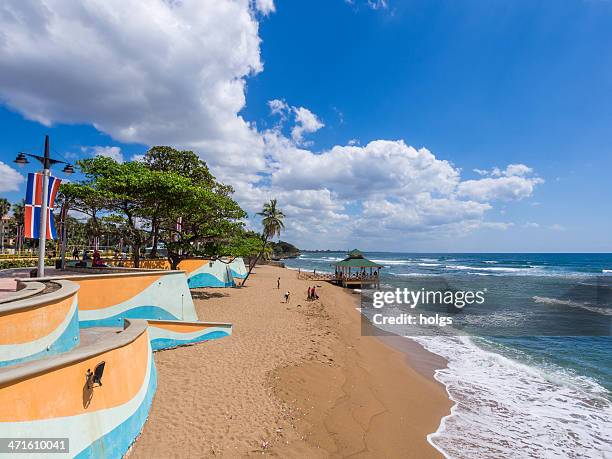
x: 273, y: 224
x: 5, y: 206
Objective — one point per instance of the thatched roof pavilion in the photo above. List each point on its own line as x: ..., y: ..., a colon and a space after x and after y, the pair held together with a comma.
x: 356, y: 270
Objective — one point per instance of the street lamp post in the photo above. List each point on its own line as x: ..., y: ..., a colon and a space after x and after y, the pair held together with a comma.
x: 47, y: 162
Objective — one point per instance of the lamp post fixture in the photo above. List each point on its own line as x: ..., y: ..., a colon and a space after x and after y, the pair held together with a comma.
x: 47, y: 162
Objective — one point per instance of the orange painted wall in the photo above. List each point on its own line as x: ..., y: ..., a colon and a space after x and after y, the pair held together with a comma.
x: 99, y: 293
x: 33, y: 323
x: 61, y: 392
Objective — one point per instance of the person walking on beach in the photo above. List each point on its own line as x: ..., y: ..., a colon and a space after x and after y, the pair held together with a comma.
x: 309, y: 293
x: 313, y: 293
x: 278, y: 283
x: 287, y: 294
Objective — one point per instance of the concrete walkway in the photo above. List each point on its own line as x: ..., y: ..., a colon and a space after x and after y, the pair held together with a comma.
x: 8, y: 277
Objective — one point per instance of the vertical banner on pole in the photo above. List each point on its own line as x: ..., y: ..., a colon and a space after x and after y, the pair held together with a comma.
x: 33, y: 203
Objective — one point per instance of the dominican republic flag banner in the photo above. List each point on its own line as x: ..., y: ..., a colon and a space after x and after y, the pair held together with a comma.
x: 34, y: 201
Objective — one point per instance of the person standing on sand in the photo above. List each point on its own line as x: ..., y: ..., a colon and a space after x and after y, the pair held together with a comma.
x: 287, y: 294
x: 278, y: 283
x: 309, y: 294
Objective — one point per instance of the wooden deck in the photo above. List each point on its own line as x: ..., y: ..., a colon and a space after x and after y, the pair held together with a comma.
x: 346, y: 281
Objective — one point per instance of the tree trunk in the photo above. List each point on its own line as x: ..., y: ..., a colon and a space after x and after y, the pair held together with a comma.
x: 174, y: 259
x: 261, y: 252
x: 155, y: 228
x: 136, y: 249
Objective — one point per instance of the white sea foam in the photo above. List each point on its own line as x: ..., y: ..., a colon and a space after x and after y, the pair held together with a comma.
x: 429, y: 264
x: 505, y: 409
x: 491, y: 268
x: 394, y: 262
x: 489, y: 261
x: 574, y: 304
x: 606, y: 271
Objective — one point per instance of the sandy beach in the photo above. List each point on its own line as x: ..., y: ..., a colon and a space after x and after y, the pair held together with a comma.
x: 294, y: 380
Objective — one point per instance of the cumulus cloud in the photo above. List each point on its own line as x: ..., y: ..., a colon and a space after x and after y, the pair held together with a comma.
x: 265, y: 6
x: 278, y: 107
x: 10, y: 179
x: 146, y: 71
x: 161, y: 72
x: 108, y: 151
x: 305, y: 122
x: 516, y: 182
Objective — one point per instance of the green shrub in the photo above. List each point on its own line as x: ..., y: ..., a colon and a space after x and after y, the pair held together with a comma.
x: 24, y: 263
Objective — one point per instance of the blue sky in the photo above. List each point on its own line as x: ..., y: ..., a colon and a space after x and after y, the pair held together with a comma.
x: 479, y: 85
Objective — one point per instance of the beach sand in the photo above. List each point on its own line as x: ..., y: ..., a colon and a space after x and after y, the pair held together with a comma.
x: 294, y: 380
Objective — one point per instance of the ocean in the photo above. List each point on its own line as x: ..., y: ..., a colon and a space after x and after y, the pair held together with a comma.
x: 530, y: 374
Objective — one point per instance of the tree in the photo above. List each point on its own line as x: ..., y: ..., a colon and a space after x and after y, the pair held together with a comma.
x: 145, y: 201
x: 273, y: 224
x: 5, y: 206
x: 185, y: 163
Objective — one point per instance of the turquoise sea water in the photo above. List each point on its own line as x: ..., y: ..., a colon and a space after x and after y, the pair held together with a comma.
x: 531, y: 376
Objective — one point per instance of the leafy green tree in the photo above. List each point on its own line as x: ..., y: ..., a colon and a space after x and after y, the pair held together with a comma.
x: 273, y: 223
x: 5, y: 206
x: 145, y: 200
x: 185, y: 163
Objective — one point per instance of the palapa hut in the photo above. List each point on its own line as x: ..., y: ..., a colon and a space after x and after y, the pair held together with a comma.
x: 357, y: 271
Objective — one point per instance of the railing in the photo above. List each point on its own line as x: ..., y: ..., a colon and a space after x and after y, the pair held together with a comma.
x: 332, y: 277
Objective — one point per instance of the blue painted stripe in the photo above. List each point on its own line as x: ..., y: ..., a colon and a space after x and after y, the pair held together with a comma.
x: 166, y: 343
x: 68, y: 340
x: 140, y: 312
x: 206, y: 280
x: 116, y: 443
x: 239, y: 276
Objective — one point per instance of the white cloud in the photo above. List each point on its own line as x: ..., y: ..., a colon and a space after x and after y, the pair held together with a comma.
x: 10, y: 179
x: 147, y: 71
x: 306, y: 122
x: 378, y: 4
x: 161, y: 72
x: 531, y: 225
x: 513, y: 183
x: 265, y: 6
x: 278, y: 107
x: 108, y: 151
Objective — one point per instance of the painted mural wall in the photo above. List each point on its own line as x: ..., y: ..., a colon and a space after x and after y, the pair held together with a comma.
x: 201, y: 272
x: 106, y: 299
x: 39, y: 326
x: 167, y: 334
x: 54, y: 398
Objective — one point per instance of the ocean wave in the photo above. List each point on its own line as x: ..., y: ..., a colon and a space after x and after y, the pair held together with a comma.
x: 394, y: 262
x: 409, y: 274
x: 504, y: 408
x: 429, y: 264
x: 608, y: 271
x: 491, y: 268
x: 574, y: 304
x: 489, y: 261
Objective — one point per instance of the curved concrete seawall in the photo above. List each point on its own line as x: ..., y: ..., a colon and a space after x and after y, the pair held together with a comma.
x: 54, y: 398
x: 167, y: 334
x: 41, y: 324
x: 106, y: 299
x: 238, y: 269
x: 201, y: 272
x: 207, y: 273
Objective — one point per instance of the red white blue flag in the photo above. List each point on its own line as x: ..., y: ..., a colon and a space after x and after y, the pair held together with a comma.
x: 33, y: 204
